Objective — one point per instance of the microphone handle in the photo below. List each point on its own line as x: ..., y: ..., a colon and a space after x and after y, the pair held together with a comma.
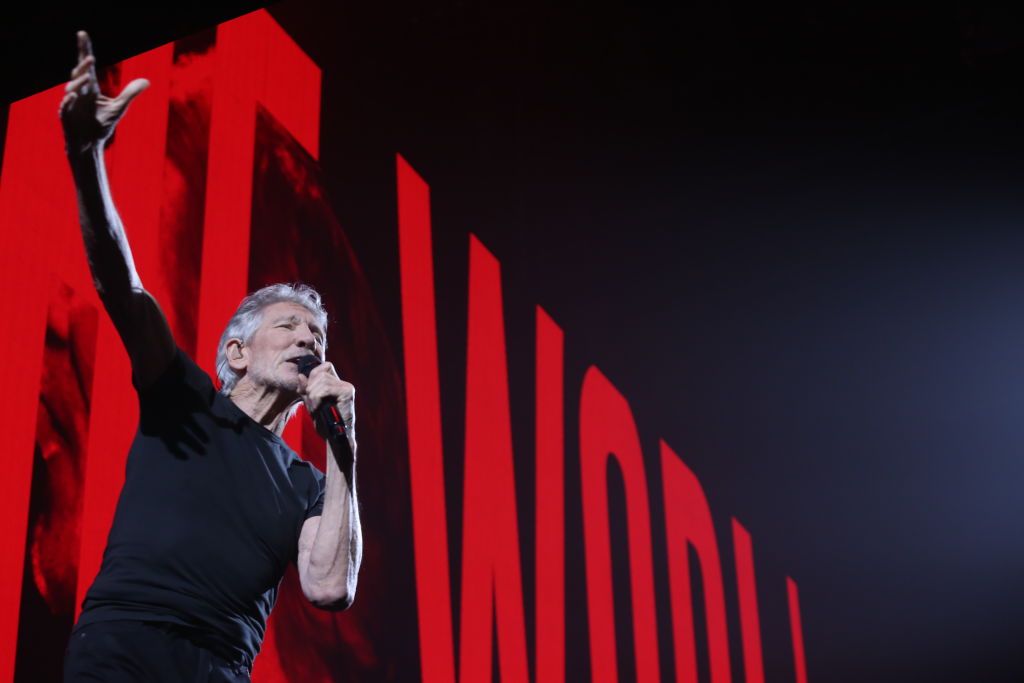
x: 329, y: 416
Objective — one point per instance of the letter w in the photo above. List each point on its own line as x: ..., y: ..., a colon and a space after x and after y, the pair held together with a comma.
x: 490, y: 534
x: 491, y: 573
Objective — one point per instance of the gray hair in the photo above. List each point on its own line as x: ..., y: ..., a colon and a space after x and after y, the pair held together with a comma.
x: 247, y: 319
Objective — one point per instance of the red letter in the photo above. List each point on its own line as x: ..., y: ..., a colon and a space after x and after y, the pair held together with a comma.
x: 490, y: 537
x: 688, y: 521
x: 550, y: 458
x: 37, y: 215
x: 607, y: 428
x: 255, y: 62
x: 746, y: 588
x: 423, y: 412
x: 797, y: 631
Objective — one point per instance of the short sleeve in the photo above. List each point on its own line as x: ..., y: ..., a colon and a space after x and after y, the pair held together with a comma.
x: 181, y: 373
x: 317, y: 508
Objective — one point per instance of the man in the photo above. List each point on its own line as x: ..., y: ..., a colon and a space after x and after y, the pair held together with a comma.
x: 214, y: 505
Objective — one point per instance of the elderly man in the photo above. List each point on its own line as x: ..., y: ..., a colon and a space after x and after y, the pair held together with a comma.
x: 214, y: 505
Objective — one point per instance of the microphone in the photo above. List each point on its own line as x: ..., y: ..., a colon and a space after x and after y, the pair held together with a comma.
x: 327, y: 413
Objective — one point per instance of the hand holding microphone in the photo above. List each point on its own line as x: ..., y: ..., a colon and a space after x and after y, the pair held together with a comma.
x: 330, y: 400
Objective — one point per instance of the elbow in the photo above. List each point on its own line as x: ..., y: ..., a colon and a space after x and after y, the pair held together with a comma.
x: 339, y: 604
x: 331, y: 598
x: 336, y: 603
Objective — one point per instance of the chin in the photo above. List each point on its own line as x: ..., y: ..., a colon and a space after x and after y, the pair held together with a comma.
x: 284, y: 380
x: 289, y: 384
x: 279, y: 383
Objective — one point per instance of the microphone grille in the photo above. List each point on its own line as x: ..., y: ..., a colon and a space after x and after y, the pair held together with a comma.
x: 307, y: 363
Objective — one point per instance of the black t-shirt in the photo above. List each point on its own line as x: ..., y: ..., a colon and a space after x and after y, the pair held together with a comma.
x: 208, y: 519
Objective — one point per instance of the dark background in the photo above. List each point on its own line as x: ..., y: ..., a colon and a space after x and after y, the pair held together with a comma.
x: 791, y: 235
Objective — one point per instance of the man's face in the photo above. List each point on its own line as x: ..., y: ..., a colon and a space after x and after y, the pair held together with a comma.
x: 286, y: 332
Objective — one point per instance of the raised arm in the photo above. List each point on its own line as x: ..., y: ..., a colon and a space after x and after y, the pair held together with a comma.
x: 331, y: 545
x: 89, y: 118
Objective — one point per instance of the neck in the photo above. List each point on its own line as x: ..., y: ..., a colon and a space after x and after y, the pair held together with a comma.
x: 266, y: 405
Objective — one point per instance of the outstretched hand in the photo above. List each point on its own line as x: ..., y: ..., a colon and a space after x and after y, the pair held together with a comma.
x: 89, y: 117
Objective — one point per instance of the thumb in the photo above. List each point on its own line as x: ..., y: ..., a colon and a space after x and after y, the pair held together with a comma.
x: 131, y: 91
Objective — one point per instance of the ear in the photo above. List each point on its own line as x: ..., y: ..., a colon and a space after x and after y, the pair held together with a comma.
x: 237, y: 354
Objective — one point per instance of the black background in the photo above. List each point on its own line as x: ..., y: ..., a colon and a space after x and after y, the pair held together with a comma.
x: 791, y: 235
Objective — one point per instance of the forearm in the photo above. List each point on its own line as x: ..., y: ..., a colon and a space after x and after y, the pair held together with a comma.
x: 106, y: 245
x: 337, y: 548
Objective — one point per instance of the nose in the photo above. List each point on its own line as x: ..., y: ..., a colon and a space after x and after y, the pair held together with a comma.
x: 306, y: 339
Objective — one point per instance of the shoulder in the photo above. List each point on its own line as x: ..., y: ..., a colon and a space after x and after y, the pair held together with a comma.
x: 181, y: 376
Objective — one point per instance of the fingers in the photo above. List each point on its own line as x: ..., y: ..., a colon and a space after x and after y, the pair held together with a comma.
x: 86, y: 60
x: 67, y: 103
x: 84, y: 45
x: 327, y: 367
x: 83, y: 66
x: 77, y: 85
x: 83, y: 76
x: 132, y: 90
x: 324, y: 381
